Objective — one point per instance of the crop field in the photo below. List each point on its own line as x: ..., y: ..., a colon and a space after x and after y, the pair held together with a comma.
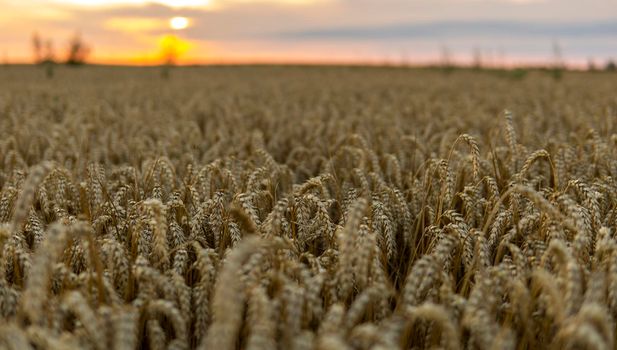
x: 265, y: 207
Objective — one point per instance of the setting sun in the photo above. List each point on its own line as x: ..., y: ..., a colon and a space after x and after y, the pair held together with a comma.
x: 179, y: 23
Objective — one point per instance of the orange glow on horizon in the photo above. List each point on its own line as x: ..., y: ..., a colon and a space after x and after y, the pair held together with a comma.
x: 172, y: 48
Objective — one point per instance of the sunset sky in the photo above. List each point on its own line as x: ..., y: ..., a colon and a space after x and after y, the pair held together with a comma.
x: 361, y: 31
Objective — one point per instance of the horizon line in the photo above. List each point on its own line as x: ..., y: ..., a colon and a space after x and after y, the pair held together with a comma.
x: 433, y: 65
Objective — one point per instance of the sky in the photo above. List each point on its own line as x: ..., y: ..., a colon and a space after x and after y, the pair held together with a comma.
x: 494, y: 32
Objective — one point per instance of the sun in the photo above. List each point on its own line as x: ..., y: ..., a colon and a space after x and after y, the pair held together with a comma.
x: 179, y: 23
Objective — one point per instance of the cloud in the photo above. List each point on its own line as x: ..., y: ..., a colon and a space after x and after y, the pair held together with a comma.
x: 457, y: 29
x: 181, y: 4
x: 135, y: 24
x: 133, y: 3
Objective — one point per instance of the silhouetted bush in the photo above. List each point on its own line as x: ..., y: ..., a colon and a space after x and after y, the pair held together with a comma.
x: 78, y: 51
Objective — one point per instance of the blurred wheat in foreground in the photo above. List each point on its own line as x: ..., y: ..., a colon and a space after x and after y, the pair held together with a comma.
x: 307, y: 208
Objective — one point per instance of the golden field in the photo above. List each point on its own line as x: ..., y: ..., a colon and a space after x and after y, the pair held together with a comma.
x: 307, y: 208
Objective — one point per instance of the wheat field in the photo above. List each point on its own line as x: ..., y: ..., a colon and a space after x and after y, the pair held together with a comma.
x: 307, y: 208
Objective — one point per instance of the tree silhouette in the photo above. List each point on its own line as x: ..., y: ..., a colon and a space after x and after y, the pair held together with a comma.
x: 49, y: 56
x: 78, y: 51
x: 591, y: 65
x: 476, y: 58
x: 558, y: 61
x: 43, y: 50
x: 37, y: 47
x: 170, y: 50
x: 44, y: 55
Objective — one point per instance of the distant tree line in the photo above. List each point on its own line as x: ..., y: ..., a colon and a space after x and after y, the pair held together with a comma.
x: 76, y: 53
x: 610, y: 66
